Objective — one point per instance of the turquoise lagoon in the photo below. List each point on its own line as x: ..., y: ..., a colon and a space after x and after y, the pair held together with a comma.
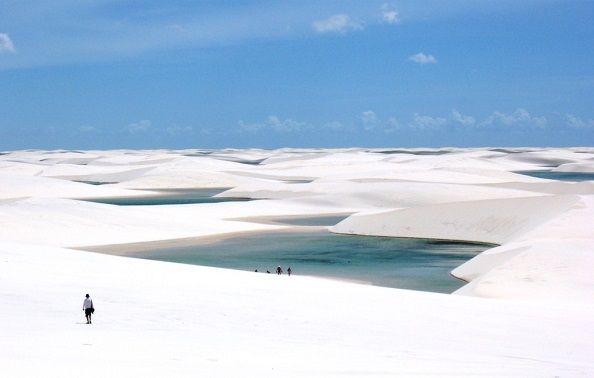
x: 561, y: 176
x: 416, y: 264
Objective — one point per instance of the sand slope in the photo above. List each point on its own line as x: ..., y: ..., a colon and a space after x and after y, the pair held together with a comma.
x: 162, y: 319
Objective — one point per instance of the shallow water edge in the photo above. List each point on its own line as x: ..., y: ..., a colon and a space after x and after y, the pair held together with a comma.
x: 406, y: 263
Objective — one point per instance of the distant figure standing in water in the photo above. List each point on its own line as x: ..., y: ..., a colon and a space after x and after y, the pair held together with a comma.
x: 279, y: 270
x: 88, y: 308
x: 289, y: 271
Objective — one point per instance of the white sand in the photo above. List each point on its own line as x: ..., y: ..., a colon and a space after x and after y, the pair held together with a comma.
x: 162, y: 319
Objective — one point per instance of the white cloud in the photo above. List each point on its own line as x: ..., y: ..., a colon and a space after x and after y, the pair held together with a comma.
x: 369, y: 119
x: 274, y: 123
x: 423, y: 58
x: 339, y: 23
x: 578, y: 123
x: 284, y: 125
x: 462, y: 119
x: 389, y: 14
x: 6, y: 44
x: 139, y: 127
x: 520, y: 117
x: 423, y: 122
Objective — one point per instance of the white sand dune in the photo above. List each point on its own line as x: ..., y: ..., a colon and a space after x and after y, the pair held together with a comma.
x: 189, y: 172
x: 550, y: 157
x: 374, y: 194
x: 92, y: 173
x: 555, y: 234
x: 587, y: 167
x: 490, y: 221
x: 77, y: 223
x: 549, y: 187
x: 20, y: 168
x: 14, y: 186
x: 160, y: 319
x: 163, y: 319
x: 541, y: 270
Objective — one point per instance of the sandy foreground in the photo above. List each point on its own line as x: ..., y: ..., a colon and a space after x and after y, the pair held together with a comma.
x: 526, y: 311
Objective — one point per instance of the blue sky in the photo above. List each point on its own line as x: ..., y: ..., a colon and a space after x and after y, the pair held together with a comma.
x: 210, y: 74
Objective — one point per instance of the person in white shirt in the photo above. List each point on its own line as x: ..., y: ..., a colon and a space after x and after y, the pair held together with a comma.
x: 88, y: 308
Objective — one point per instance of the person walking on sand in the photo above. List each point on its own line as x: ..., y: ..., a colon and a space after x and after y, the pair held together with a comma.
x: 88, y: 308
x: 279, y: 270
x: 289, y: 271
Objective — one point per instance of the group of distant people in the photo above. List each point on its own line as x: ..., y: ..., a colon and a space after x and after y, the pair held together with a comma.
x: 279, y: 270
x: 89, y: 309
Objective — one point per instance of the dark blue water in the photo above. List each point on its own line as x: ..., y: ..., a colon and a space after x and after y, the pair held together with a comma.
x: 400, y: 263
x: 331, y: 220
x: 171, y: 197
x: 561, y: 176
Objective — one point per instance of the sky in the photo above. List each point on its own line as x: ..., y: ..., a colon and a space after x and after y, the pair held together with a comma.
x: 105, y: 74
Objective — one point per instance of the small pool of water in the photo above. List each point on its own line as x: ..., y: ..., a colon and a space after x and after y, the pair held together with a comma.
x: 172, y: 197
x: 561, y: 176
x: 328, y: 220
x: 415, y: 264
x: 95, y: 182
